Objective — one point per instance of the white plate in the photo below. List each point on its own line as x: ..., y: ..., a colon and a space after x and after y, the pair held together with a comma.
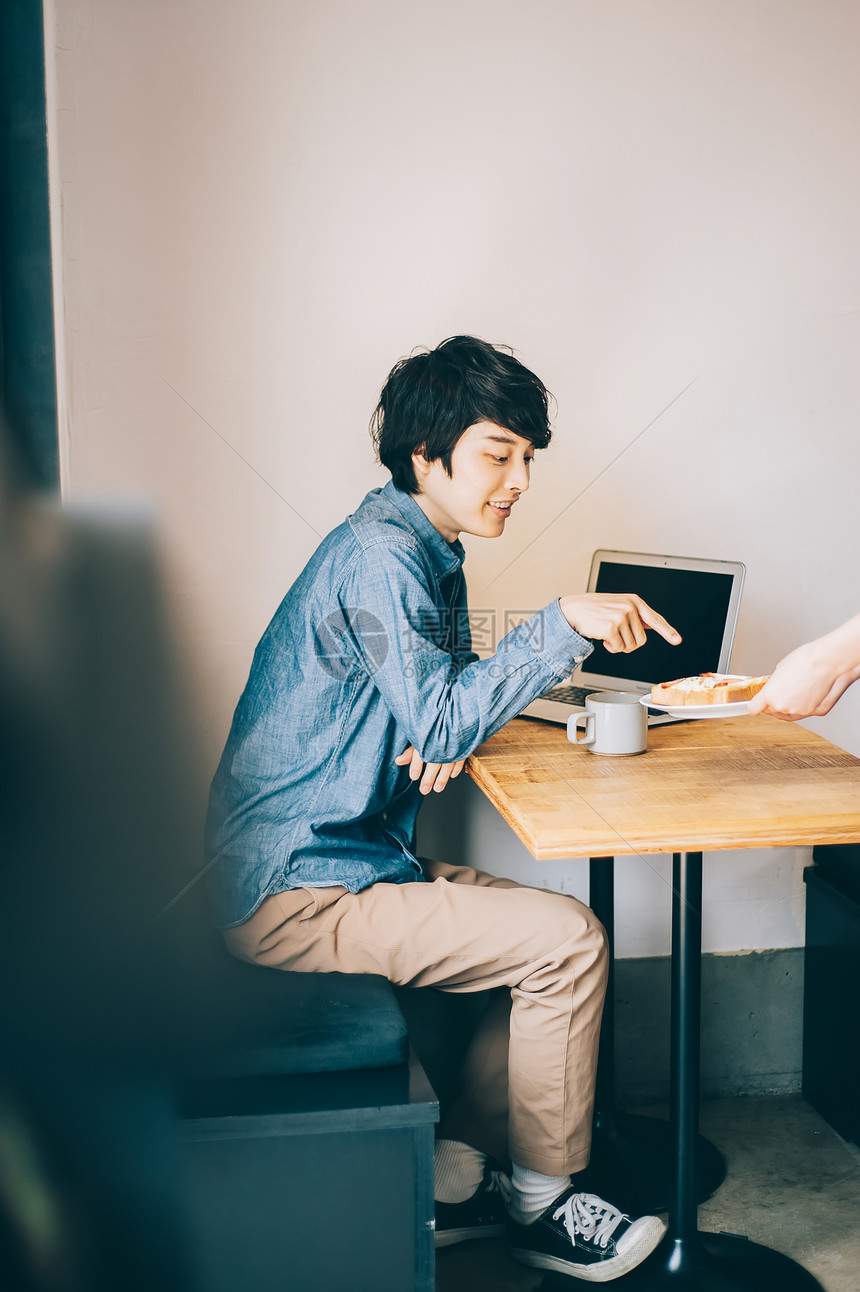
x: 735, y: 710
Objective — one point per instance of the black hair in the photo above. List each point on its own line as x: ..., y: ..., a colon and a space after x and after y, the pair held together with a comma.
x: 431, y: 398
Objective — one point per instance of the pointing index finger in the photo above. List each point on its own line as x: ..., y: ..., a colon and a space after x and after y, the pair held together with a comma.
x: 659, y: 624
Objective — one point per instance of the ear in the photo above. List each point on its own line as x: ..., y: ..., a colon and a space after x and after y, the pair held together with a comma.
x: 420, y: 463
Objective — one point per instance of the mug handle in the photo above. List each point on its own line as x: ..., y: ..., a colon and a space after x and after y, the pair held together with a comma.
x: 573, y: 728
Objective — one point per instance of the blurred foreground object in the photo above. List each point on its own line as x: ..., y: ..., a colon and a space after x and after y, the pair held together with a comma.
x: 97, y: 993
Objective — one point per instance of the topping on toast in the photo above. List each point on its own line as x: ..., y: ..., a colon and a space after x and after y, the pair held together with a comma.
x: 707, y: 688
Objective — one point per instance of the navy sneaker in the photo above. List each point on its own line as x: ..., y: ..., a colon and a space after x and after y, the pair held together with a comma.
x: 481, y: 1216
x: 581, y: 1235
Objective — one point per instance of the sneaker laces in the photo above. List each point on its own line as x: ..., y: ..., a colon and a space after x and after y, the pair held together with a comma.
x: 590, y: 1216
x: 498, y: 1182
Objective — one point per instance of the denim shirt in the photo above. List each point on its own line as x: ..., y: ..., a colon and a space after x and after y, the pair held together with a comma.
x: 368, y: 652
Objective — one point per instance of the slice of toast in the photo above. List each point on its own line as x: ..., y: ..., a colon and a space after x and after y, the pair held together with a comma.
x: 707, y: 688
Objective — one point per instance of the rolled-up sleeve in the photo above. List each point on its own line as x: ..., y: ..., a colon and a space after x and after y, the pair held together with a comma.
x: 445, y: 710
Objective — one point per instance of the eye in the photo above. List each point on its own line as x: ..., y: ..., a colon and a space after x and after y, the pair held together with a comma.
x: 495, y: 459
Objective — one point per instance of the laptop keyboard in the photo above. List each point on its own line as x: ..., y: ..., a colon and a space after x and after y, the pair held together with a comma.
x: 569, y: 694
x: 575, y: 695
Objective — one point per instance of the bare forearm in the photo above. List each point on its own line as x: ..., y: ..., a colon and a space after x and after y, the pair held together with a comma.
x: 842, y: 646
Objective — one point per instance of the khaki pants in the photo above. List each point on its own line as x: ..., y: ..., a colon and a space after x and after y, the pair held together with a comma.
x: 532, y: 1062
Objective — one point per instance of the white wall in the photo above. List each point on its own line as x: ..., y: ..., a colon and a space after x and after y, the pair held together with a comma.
x: 259, y: 207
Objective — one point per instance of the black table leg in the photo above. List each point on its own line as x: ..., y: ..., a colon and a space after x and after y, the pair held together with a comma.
x: 631, y: 1159
x: 687, y: 1260
x: 601, y: 898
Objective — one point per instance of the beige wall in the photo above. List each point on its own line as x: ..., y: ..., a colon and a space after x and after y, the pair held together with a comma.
x: 259, y: 207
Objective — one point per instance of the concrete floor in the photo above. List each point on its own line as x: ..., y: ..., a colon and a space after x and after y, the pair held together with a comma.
x: 792, y: 1184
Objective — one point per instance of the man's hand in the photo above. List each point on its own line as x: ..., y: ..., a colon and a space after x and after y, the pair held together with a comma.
x: 618, y: 619
x: 435, y: 775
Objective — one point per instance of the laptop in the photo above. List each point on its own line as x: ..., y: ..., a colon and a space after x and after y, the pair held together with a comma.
x: 700, y: 598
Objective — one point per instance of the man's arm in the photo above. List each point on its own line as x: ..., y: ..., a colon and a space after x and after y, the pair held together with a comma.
x: 445, y: 712
x: 619, y: 620
x: 809, y: 681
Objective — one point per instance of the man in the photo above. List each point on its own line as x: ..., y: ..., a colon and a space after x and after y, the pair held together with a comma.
x: 364, y: 694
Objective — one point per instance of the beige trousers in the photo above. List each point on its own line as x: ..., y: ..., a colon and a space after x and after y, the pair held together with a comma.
x: 532, y: 1062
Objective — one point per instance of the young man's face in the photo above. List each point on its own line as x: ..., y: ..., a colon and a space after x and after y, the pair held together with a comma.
x: 489, y: 471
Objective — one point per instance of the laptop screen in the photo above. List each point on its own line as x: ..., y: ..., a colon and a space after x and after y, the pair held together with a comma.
x: 695, y: 601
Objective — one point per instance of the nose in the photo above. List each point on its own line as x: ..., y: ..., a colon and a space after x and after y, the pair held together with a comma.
x: 518, y: 475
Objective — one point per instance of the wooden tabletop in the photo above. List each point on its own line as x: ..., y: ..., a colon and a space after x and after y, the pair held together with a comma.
x: 719, y: 783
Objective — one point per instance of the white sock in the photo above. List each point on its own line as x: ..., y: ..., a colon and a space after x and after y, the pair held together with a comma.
x: 533, y: 1192
x: 459, y: 1170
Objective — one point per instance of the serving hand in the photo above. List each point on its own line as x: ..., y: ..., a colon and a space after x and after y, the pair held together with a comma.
x: 809, y: 681
x: 435, y: 775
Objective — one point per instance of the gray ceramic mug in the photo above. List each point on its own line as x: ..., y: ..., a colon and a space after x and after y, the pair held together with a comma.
x: 615, y: 724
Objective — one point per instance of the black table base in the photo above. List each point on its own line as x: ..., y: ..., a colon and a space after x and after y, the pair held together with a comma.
x: 632, y: 1156
x: 687, y: 1260
x: 632, y: 1159
x: 711, y: 1263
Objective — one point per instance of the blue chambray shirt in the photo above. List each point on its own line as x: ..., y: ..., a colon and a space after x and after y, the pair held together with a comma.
x: 368, y: 652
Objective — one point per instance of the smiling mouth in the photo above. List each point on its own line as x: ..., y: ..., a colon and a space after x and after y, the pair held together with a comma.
x: 502, y: 506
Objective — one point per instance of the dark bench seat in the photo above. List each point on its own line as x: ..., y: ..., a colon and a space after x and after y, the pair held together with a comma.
x: 308, y: 1140
x: 831, y: 986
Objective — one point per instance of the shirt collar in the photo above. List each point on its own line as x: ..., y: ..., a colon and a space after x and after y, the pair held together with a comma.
x: 447, y: 557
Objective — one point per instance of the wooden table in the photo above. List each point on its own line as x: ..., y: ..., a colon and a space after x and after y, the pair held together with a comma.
x: 715, y: 784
